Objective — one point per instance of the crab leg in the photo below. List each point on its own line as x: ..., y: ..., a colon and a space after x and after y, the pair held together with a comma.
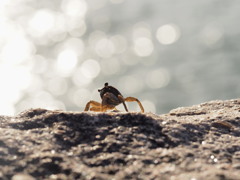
x: 131, y: 99
x: 95, y: 105
x: 123, y: 101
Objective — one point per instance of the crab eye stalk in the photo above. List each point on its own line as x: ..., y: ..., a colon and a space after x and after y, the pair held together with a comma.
x: 106, y: 84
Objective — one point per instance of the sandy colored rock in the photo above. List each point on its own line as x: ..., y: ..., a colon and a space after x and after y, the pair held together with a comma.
x: 190, y: 143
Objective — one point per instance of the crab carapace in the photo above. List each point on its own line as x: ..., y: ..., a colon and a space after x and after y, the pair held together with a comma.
x: 111, y: 97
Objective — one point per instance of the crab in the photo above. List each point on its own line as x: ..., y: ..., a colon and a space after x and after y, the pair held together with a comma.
x: 111, y: 97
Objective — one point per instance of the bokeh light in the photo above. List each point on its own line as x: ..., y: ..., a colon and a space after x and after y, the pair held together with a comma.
x: 14, y: 80
x: 211, y: 36
x: 42, y: 21
x: 90, y: 68
x: 158, y: 78
x: 56, y: 54
x: 119, y: 43
x: 130, y: 84
x: 168, y: 34
x: 143, y: 47
x: 74, y: 7
x: 79, y: 79
x: 104, y: 48
x: 17, y: 50
x: 67, y: 61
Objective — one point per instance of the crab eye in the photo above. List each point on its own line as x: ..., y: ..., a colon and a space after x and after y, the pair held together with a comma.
x: 99, y: 90
x: 106, y: 84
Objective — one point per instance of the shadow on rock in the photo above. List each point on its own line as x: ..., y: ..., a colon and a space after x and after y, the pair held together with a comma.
x: 111, y: 131
x: 188, y: 133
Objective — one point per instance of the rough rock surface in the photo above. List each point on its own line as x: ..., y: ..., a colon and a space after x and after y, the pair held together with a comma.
x: 190, y: 143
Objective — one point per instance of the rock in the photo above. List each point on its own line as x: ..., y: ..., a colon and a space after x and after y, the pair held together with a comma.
x: 198, y: 142
x: 22, y: 177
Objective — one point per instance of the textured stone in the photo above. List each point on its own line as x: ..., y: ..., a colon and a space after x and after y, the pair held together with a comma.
x: 198, y: 142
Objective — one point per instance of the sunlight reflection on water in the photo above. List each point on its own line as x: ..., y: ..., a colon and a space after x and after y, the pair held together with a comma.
x: 66, y: 61
x: 168, y: 34
x: 75, y: 8
x: 56, y: 54
x: 42, y: 21
x: 143, y: 47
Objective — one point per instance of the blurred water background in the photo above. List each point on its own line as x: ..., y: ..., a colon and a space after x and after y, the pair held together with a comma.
x: 55, y: 54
